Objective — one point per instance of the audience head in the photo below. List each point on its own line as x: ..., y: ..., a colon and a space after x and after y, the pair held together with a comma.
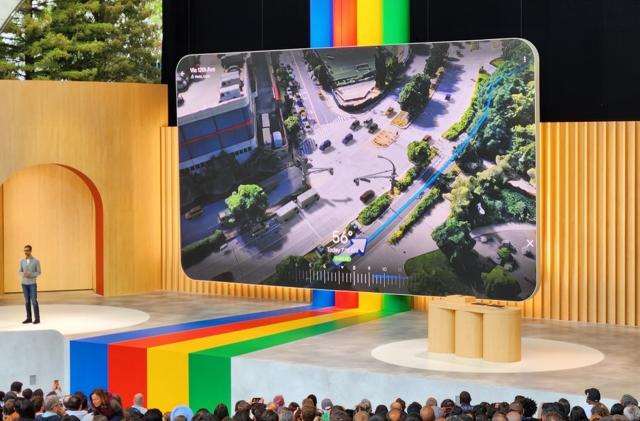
x: 153, y: 414
x: 465, y: 398
x: 616, y: 409
x: 365, y: 405
x: 27, y: 393
x: 26, y: 410
x: 221, y: 411
x: 414, y: 408
x: 337, y: 414
x: 446, y: 405
x: 16, y: 387
x: 593, y: 395
x: 514, y: 416
x: 138, y: 399
x: 499, y: 416
x: 599, y: 410
x: 361, y: 416
x: 181, y: 411
x: 394, y: 414
x: 577, y: 414
x: 284, y: 414
x: 242, y: 405
x: 427, y: 414
x: 566, y: 407
x: 632, y: 412
x: 278, y: 400
x: 9, y: 407
x: 313, y: 399
x: 308, y: 412
x: 627, y: 400
x: 72, y: 403
x: 38, y: 403
x: 431, y: 402
x: 98, y: 398
x: 243, y: 415
x: 381, y: 410
x: 326, y: 404
x: 38, y: 392
x: 269, y: 415
x: 52, y: 404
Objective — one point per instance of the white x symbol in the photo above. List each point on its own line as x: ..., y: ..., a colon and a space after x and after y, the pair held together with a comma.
x: 529, y: 243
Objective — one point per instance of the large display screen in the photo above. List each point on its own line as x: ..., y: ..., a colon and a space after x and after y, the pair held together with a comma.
x: 407, y: 169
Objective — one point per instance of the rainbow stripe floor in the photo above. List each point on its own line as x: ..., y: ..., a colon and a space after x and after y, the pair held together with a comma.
x: 190, y: 363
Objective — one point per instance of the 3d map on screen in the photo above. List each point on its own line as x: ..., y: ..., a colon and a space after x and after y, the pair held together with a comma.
x: 407, y: 169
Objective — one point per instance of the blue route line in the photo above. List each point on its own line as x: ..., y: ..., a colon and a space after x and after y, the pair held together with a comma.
x: 453, y: 156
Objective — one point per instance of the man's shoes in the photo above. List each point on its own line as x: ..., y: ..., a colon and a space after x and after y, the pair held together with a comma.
x: 26, y: 321
x: 36, y: 321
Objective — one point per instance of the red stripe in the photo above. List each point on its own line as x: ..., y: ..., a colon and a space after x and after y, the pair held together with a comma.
x: 210, y: 135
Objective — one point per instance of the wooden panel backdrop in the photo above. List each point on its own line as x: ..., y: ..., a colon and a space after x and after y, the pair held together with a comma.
x: 109, y: 133
x: 588, y: 250
x: 50, y: 208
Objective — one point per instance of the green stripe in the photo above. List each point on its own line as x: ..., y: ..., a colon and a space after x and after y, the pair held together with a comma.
x: 395, y: 21
x: 210, y: 370
x: 396, y: 303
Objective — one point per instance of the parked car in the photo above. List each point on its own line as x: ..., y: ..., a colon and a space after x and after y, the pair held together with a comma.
x: 368, y: 122
x: 194, y: 213
x: 447, y: 97
x: 324, y: 145
x: 320, y: 95
x: 348, y: 138
x: 355, y: 124
x: 367, y: 196
x: 389, y: 111
x: 299, y: 103
x: 373, y: 127
x: 426, y: 138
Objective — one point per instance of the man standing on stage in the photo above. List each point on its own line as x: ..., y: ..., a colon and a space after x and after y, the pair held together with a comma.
x: 29, y: 272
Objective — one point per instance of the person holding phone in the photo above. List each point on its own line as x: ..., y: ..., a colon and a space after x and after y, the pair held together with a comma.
x: 29, y: 272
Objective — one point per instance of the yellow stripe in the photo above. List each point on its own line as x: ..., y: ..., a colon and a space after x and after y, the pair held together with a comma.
x: 369, y: 27
x: 168, y: 365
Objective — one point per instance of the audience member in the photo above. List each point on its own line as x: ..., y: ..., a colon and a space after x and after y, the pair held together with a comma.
x: 73, y: 406
x: 598, y: 410
x: 577, y: 414
x: 427, y: 414
x: 25, y: 410
x: 9, y: 412
x: 221, y: 411
x: 616, y: 409
x: 627, y: 400
x: 465, y: 401
x: 632, y: 412
x: 38, y: 404
x: 138, y: 403
x: 53, y: 410
x: 16, y: 387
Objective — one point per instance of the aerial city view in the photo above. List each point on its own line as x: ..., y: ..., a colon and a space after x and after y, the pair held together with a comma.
x: 406, y: 169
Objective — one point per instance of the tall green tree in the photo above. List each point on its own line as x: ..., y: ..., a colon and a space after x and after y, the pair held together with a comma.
x: 454, y: 239
x: 419, y: 153
x: 436, y: 59
x: 500, y: 284
x: 248, y: 204
x: 415, y: 94
x: 102, y: 40
x: 380, y: 59
x: 21, y: 49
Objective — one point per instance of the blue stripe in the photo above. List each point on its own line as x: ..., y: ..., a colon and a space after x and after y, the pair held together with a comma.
x: 321, y: 27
